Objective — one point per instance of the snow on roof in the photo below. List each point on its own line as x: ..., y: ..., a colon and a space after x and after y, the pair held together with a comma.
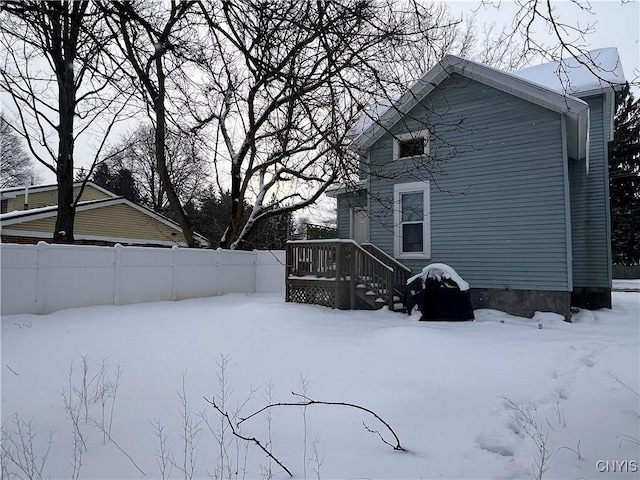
x: 12, y: 192
x: 31, y: 211
x: 369, y: 116
x: 594, y: 70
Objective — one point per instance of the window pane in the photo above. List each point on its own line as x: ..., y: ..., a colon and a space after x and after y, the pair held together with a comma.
x: 409, y: 148
x: 412, y: 207
x: 412, y: 240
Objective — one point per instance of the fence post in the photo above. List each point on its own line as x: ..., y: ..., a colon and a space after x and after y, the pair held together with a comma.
x: 40, y: 282
x: 390, y: 293
x: 255, y: 271
x: 338, y: 290
x: 287, y: 271
x: 174, y: 268
x: 218, y: 270
x: 117, y: 272
x: 352, y: 277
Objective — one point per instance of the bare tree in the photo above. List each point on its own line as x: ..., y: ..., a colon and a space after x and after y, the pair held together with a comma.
x: 16, y: 166
x: 449, y: 34
x: 569, y: 38
x: 186, y: 166
x: 157, y: 39
x: 53, y: 52
x: 285, y: 83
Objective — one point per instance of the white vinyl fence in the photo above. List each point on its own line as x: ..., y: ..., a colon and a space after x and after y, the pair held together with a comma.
x: 44, y: 278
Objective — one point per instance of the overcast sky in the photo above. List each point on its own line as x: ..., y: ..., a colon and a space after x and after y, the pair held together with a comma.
x: 615, y: 24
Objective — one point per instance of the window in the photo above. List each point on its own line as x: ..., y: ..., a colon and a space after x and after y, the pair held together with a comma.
x: 411, y: 220
x: 411, y: 144
x: 4, y: 205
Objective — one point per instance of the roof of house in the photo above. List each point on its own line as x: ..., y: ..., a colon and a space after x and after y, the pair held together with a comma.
x: 590, y: 72
x: 21, y: 216
x: 530, y: 84
x: 14, y: 191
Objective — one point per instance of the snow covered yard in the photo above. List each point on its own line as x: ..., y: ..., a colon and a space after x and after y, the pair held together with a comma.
x: 458, y: 395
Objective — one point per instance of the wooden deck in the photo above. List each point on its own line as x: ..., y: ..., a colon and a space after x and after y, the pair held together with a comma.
x: 342, y: 274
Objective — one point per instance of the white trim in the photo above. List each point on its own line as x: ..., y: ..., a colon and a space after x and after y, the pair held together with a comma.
x: 424, y: 133
x: 121, y: 240
x: 398, y: 190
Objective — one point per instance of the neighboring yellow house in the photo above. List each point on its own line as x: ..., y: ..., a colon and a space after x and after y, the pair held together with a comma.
x: 102, y: 218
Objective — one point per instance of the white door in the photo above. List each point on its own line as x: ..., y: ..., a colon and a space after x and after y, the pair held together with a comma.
x: 359, y: 225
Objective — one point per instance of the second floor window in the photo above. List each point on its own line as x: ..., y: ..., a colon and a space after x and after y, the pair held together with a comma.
x: 412, y: 144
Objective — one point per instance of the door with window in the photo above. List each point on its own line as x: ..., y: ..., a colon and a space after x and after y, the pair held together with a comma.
x: 359, y: 225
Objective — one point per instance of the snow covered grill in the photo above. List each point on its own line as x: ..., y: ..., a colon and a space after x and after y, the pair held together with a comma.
x: 440, y: 294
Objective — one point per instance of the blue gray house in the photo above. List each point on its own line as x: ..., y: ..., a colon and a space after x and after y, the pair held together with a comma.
x: 502, y: 176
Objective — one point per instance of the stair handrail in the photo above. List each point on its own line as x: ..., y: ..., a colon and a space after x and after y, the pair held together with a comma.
x: 401, y: 273
x: 374, y: 274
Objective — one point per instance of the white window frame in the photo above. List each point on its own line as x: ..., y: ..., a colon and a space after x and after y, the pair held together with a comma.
x: 410, y: 136
x: 412, y: 187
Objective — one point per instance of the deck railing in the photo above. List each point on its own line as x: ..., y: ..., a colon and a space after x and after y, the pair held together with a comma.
x: 328, y: 272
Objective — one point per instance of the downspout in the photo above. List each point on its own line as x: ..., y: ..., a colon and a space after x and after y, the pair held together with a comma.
x: 567, y: 204
x: 26, y: 197
x: 587, y: 141
x: 368, y: 193
x: 608, y: 98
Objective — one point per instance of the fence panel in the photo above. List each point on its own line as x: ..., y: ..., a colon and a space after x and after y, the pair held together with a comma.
x: 145, y: 275
x: 19, y: 279
x: 270, y: 268
x: 195, y: 273
x: 236, y: 271
x: 44, y: 278
x: 73, y: 276
x: 626, y: 272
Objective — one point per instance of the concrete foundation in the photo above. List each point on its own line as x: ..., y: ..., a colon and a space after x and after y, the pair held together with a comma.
x: 523, y: 303
x: 591, y: 298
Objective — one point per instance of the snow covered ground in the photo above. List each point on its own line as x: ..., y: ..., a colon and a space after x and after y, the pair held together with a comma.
x: 467, y: 400
x: 629, y: 285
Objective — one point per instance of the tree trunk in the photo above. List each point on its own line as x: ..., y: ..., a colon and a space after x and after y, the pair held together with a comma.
x: 237, y: 209
x: 63, y: 232
x: 161, y: 159
x: 64, y: 53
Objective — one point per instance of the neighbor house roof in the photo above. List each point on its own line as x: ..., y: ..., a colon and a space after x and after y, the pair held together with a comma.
x: 19, y: 217
x: 379, y: 119
x: 14, y: 191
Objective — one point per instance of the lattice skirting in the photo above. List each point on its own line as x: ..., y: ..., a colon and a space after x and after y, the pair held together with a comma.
x: 316, y: 295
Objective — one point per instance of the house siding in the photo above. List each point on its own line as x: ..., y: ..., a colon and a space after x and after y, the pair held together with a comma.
x: 498, y: 205
x: 50, y: 197
x: 115, y: 221
x: 345, y: 203
x: 589, y: 186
